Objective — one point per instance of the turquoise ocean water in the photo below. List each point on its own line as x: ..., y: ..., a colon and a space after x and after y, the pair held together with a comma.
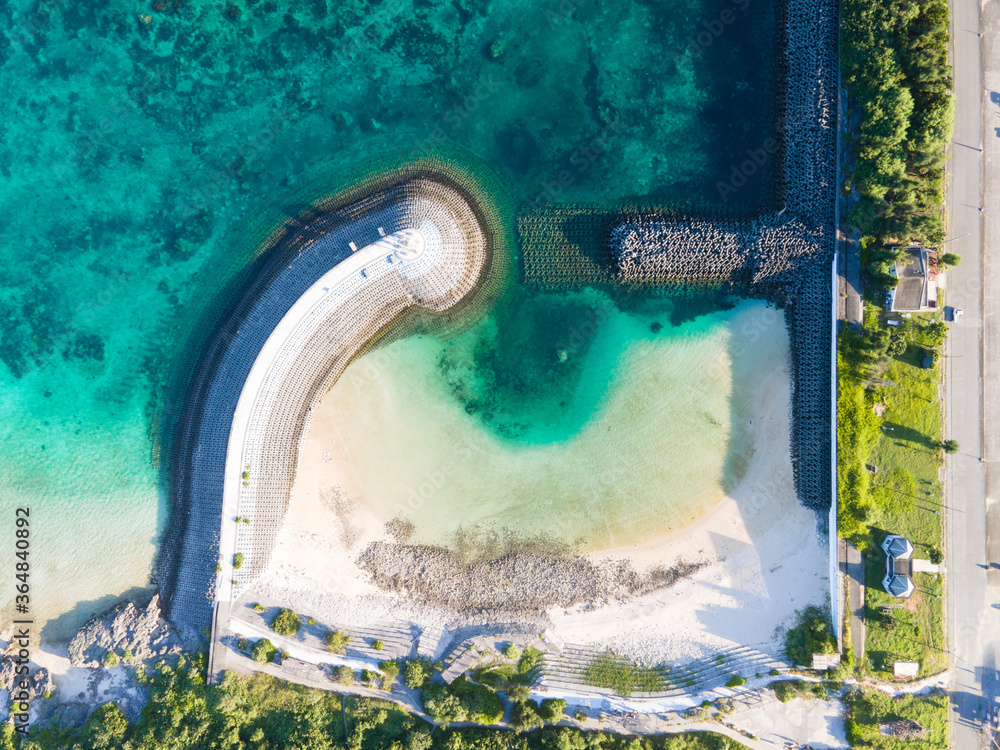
x: 140, y: 137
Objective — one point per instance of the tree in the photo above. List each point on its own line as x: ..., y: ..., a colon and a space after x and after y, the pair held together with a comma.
x: 390, y: 670
x: 418, y: 740
x: 524, y: 717
x: 510, y: 651
x: 935, y: 556
x: 414, y: 675
x: 518, y: 693
x: 552, y: 709
x: 336, y: 641
x: 263, y: 651
x: 345, y: 675
x: 950, y: 446
x: 286, y: 623
x: 237, y: 560
x: 949, y: 260
x: 105, y: 728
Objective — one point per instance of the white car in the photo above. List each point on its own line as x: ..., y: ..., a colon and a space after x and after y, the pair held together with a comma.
x: 956, y: 314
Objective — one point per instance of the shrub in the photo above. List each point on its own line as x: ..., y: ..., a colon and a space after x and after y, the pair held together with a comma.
x: 312, y: 620
x: 218, y: 568
x: 111, y: 659
x: 345, y: 675
x: 529, y: 660
x: 519, y: 693
x: 935, y: 556
x: 286, y: 623
x: 552, y: 709
x: 258, y: 607
x: 512, y: 652
x: 336, y: 641
x: 367, y: 676
x: 784, y: 690
x: 462, y: 701
x: 811, y: 636
x: 736, y: 681
x: 390, y: 671
x: 524, y: 716
x: 263, y: 651
x: 237, y: 561
x: 610, y: 670
x: 949, y: 260
x: 414, y: 676
x: 242, y: 644
x: 377, y: 645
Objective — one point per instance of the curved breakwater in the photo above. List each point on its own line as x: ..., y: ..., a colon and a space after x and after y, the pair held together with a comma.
x: 300, y: 374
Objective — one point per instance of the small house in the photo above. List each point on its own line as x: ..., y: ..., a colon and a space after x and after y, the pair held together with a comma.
x: 898, y: 581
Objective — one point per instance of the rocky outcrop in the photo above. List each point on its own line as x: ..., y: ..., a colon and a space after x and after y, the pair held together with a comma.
x: 520, y: 583
x: 126, y: 628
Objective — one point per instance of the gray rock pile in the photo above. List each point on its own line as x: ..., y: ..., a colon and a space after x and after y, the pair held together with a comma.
x: 40, y: 681
x: 521, y: 583
x: 143, y: 632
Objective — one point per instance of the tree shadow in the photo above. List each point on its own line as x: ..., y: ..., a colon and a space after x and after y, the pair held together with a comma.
x: 61, y: 629
x: 908, y: 434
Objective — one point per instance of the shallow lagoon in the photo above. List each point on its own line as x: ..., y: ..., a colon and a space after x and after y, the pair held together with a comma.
x: 567, y: 418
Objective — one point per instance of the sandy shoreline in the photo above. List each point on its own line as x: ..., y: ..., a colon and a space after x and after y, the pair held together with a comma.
x: 763, y: 558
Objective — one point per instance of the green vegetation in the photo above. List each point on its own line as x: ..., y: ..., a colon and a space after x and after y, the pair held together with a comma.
x: 812, y: 635
x: 787, y: 690
x: 949, y: 260
x: 524, y: 716
x: 609, y: 670
x: 902, y: 446
x: 286, y: 623
x: 390, y: 671
x: 552, y: 709
x: 238, y: 561
x: 510, y: 651
x: 263, y: 713
x: 258, y: 607
x: 344, y: 675
x: 950, y: 446
x: 263, y: 651
x: 868, y: 709
x: 312, y: 620
x: 507, y: 677
x: 417, y: 672
x: 111, y: 659
x: 377, y: 645
x: 336, y: 641
x: 897, y: 488
x: 736, y: 681
x: 462, y: 701
x: 894, y: 58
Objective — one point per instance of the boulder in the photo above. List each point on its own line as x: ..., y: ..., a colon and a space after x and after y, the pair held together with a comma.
x: 144, y: 632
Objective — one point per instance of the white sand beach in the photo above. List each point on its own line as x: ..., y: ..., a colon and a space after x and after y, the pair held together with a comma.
x: 764, y: 558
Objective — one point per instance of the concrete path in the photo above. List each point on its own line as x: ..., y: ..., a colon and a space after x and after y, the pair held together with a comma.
x: 972, y: 540
x: 856, y: 598
x: 850, y: 310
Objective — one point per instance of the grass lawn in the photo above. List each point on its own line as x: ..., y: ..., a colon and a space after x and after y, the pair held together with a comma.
x: 869, y: 709
x: 907, y: 456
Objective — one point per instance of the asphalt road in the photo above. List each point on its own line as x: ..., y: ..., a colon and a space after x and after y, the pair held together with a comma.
x: 971, y: 414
